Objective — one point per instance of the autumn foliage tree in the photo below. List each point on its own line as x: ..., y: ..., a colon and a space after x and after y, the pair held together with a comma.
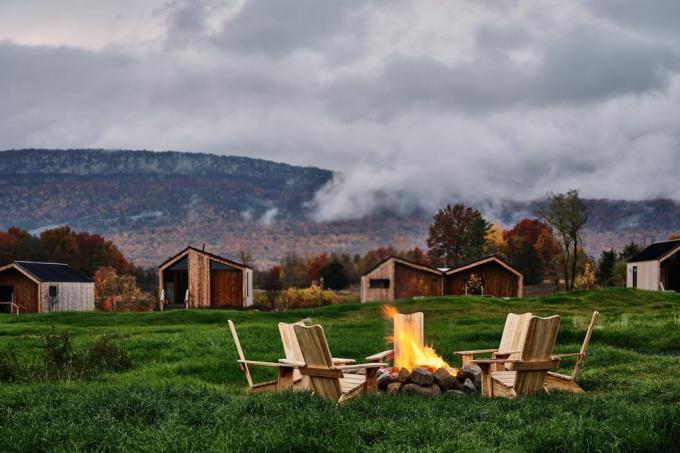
x: 85, y: 252
x: 531, y: 248
x: 457, y: 233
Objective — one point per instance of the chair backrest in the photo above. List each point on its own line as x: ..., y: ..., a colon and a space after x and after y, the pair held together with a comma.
x: 536, y: 355
x: 586, y: 341
x: 243, y: 366
x: 514, y: 334
x: 317, y: 355
x: 413, y: 325
x: 291, y: 347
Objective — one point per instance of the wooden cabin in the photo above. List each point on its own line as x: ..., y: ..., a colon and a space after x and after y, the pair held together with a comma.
x: 656, y: 268
x: 194, y: 278
x: 499, y: 279
x: 398, y: 278
x: 31, y: 287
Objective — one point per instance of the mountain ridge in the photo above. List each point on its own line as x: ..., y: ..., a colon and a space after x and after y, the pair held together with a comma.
x: 154, y: 203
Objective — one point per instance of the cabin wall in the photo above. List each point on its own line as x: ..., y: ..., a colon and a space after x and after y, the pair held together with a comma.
x: 413, y: 282
x: 199, y: 280
x: 647, y: 275
x: 226, y: 288
x: 25, y: 290
x: 248, y: 287
x: 71, y: 296
x: 383, y: 272
x: 498, y: 281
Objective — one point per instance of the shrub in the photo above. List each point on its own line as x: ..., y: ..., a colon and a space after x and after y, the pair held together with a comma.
x: 105, y: 355
x: 314, y: 296
x: 9, y: 367
x: 61, y: 362
x: 587, y: 279
x: 58, y: 356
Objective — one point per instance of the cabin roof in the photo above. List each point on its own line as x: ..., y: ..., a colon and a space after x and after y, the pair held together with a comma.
x: 448, y: 271
x: 405, y: 261
x: 210, y: 255
x: 656, y: 251
x: 480, y: 261
x: 48, y: 272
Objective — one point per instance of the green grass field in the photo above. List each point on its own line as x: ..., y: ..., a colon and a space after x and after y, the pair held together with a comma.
x: 186, y: 393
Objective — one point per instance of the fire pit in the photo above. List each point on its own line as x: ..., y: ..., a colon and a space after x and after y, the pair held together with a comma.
x: 418, y: 369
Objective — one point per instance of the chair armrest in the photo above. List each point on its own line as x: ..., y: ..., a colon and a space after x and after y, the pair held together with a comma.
x: 381, y: 356
x: 570, y: 354
x: 492, y: 361
x: 358, y: 366
x: 292, y: 363
x: 478, y: 351
x: 268, y: 364
x: 339, y: 361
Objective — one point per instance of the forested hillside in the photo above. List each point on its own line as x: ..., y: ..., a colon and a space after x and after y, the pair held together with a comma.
x: 151, y: 204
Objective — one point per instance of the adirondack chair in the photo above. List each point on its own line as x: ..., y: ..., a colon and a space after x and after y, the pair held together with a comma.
x: 557, y: 381
x: 512, y: 341
x: 284, y: 380
x: 527, y: 374
x: 414, y: 324
x: 291, y: 349
x: 329, y: 380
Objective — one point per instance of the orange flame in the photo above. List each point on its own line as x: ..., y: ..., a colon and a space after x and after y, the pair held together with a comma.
x: 411, y: 352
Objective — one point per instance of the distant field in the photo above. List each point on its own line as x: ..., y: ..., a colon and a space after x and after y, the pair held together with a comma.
x: 185, y: 392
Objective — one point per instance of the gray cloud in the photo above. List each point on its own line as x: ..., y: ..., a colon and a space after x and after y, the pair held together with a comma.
x: 416, y: 105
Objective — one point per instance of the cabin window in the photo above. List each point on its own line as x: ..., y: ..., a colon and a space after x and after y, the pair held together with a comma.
x: 634, y: 276
x: 379, y: 283
x: 53, y: 291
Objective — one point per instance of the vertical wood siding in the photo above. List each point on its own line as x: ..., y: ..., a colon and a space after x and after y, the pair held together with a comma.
x: 25, y: 290
x: 383, y: 272
x: 226, y: 288
x: 412, y: 282
x: 70, y: 296
x: 647, y: 275
x: 498, y: 281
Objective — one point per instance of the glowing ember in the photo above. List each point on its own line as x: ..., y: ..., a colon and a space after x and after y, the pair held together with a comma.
x: 412, y: 353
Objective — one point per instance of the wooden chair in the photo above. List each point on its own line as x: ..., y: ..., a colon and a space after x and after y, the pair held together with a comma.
x: 293, y: 353
x: 527, y: 374
x: 512, y: 341
x: 414, y: 324
x: 284, y: 381
x: 557, y: 381
x: 329, y: 380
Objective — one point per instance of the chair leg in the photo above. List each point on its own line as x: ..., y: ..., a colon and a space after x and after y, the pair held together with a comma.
x: 371, y: 384
x: 285, y: 379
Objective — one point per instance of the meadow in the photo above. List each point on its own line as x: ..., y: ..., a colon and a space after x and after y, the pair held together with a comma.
x: 184, y: 391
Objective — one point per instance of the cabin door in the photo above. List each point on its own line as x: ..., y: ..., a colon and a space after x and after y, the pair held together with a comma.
x: 6, y: 296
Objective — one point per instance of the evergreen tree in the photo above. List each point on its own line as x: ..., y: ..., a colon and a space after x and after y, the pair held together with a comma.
x: 629, y: 251
x: 527, y: 261
x: 334, y: 275
x: 605, y: 268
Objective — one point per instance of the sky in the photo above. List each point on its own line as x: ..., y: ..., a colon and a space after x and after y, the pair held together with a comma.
x: 414, y: 102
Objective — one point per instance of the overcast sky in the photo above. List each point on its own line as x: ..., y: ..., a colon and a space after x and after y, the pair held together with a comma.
x: 416, y: 102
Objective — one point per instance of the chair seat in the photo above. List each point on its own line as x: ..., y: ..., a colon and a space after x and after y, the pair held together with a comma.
x: 352, y: 382
x: 507, y: 378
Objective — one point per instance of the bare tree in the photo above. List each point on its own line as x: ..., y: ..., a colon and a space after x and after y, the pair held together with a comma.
x: 567, y: 214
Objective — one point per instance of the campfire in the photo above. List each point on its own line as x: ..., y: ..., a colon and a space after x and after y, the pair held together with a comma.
x: 418, y: 369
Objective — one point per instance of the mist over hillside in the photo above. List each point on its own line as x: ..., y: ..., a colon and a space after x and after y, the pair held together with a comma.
x: 154, y: 203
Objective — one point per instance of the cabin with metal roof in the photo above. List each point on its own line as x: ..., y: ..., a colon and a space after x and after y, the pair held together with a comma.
x: 656, y: 268
x: 398, y: 278
x: 194, y: 278
x: 33, y: 287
